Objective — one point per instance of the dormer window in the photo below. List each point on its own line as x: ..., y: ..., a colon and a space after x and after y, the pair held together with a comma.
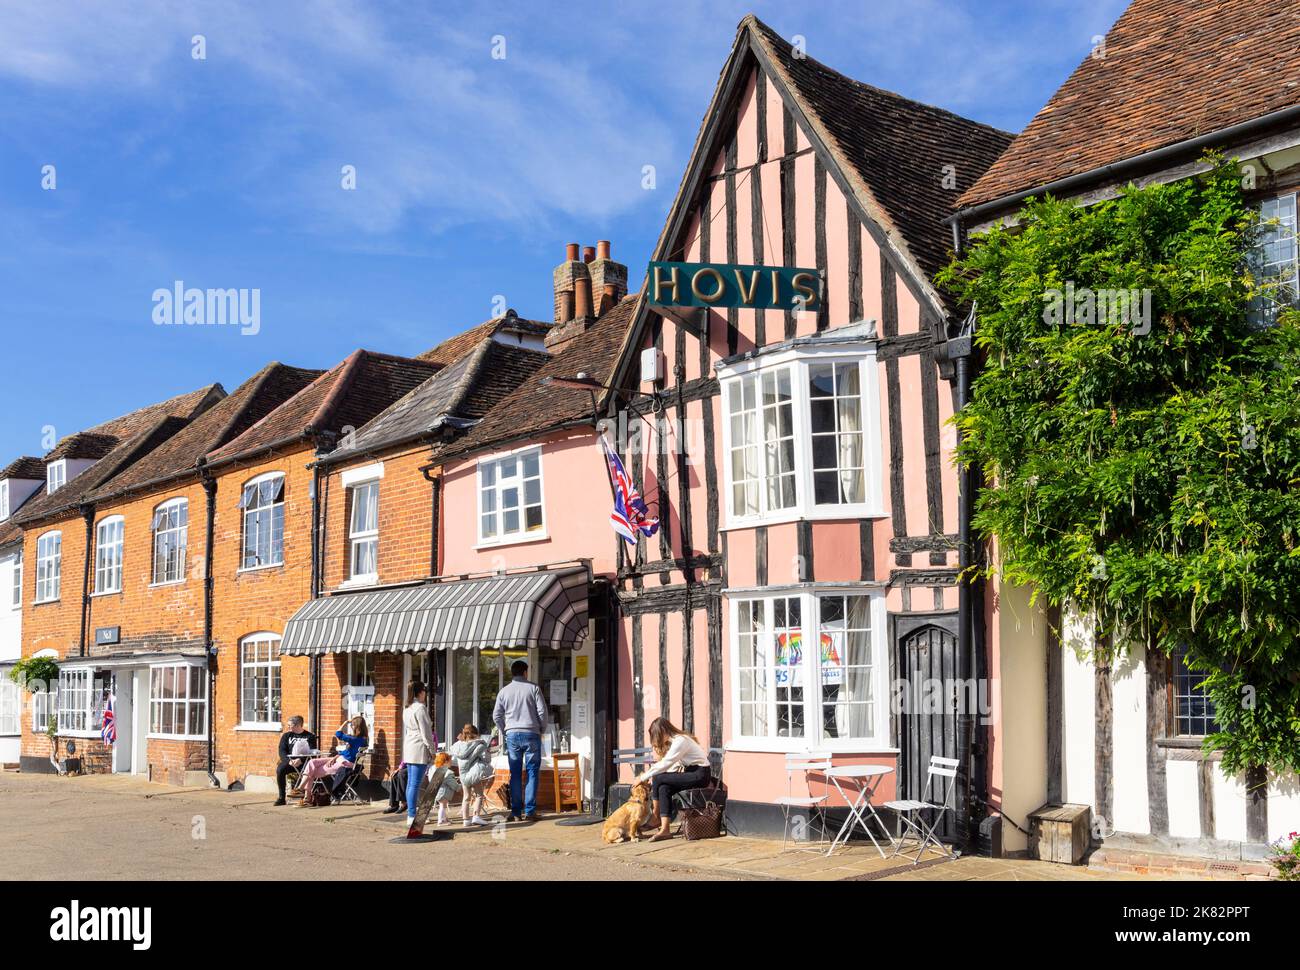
x: 56, y: 476
x: 4, y: 500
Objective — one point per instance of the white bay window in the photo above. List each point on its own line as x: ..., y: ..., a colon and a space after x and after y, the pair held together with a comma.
x: 178, y: 701
x: 802, y: 436
x: 810, y: 669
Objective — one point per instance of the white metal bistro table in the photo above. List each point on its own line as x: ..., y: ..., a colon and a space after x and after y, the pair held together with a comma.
x: 860, y: 808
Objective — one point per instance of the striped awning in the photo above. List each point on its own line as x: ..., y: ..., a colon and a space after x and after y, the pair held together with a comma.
x: 540, y: 609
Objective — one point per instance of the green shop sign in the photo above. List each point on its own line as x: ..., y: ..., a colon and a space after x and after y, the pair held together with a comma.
x: 725, y: 286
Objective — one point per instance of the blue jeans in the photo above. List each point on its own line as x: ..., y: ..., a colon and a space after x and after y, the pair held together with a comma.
x: 524, y: 752
x: 414, y: 781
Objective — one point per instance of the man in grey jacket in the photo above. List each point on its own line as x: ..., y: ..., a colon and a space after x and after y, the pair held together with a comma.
x: 520, y: 717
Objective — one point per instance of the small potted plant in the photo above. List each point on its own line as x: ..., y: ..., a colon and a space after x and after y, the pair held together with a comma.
x: 1285, y: 858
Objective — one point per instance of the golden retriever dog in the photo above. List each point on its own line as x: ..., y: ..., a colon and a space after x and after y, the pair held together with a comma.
x: 625, y: 824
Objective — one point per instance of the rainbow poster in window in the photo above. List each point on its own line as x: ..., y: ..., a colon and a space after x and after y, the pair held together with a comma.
x: 789, y: 658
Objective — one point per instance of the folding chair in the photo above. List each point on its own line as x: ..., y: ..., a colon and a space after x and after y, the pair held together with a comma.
x: 814, y: 805
x: 345, y: 790
x: 910, y: 811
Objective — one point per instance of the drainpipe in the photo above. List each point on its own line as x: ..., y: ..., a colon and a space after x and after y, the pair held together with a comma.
x: 435, y: 482
x: 88, y: 514
x: 313, y: 662
x: 210, y: 529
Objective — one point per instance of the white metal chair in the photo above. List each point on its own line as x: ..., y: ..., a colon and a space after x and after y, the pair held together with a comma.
x: 813, y: 805
x: 910, y: 811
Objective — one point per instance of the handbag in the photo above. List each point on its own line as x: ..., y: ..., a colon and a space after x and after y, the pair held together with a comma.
x: 702, y: 811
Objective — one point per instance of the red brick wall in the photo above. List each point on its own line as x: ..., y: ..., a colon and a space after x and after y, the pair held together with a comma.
x: 258, y: 601
x: 154, y: 617
x: 405, y: 519
x: 170, y: 760
x: 55, y: 625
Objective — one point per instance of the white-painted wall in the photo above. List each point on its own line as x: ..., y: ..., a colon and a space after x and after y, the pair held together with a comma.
x: 11, y: 620
x: 11, y: 643
x: 1129, y: 791
x: 1021, y: 691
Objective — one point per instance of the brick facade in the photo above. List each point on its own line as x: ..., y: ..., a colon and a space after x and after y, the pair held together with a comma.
x: 258, y: 601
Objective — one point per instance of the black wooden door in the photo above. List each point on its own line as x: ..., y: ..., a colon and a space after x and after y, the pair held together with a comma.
x: 928, y: 723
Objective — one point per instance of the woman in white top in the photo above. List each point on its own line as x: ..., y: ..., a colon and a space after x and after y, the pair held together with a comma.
x: 419, y: 744
x: 682, y: 765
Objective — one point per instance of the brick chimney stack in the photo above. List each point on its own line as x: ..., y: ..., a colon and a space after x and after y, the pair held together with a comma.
x: 608, y: 279
x: 585, y: 289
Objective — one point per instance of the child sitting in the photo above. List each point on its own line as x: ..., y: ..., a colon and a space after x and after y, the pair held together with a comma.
x: 450, y: 785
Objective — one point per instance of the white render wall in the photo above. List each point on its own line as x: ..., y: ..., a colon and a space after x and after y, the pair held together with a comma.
x: 1128, y: 762
x: 11, y: 642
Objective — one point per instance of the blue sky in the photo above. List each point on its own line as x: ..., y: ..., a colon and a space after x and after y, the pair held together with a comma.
x: 472, y: 172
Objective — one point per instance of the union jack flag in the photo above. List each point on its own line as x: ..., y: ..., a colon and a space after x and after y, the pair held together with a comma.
x: 630, y: 515
x: 109, y: 731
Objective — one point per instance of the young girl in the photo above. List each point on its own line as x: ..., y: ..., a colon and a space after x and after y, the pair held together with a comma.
x: 450, y: 785
x: 471, y: 754
x: 350, y: 748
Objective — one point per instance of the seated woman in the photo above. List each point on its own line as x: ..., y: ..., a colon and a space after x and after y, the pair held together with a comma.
x: 350, y: 748
x: 682, y: 765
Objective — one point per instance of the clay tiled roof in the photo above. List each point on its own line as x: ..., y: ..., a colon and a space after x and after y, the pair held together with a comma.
x: 348, y: 396
x: 10, y: 532
x: 454, y: 348
x: 537, y: 406
x: 254, y: 399
x: 135, y: 435
x: 895, y: 148
x: 1173, y: 70
x: 32, y: 469
x: 454, y: 398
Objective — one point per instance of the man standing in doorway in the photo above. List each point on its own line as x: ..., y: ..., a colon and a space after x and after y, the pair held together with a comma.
x: 520, y: 716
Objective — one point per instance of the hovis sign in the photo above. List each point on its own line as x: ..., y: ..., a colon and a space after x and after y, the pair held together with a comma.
x: 725, y: 286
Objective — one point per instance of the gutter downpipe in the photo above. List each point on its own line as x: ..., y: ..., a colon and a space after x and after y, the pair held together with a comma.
x: 313, y: 668
x: 1145, y: 160
x: 88, y: 514
x: 210, y: 529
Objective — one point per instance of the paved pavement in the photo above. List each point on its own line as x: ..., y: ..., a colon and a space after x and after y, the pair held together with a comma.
x: 114, y: 827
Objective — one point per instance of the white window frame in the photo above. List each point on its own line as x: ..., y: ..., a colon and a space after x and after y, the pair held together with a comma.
x: 56, y: 475
x: 158, y: 674
x: 274, y: 685
x: 76, y: 703
x: 17, y: 566
x: 358, y: 538
x: 812, y: 739
x: 4, y: 500
x: 253, y: 510
x: 45, y: 703
x: 1265, y: 311
x: 11, y: 705
x: 521, y: 535
x: 800, y: 360
x: 110, y: 547
x: 180, y: 534
x: 49, y: 567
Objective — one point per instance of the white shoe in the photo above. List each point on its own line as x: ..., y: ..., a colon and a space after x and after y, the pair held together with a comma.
x: 478, y: 821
